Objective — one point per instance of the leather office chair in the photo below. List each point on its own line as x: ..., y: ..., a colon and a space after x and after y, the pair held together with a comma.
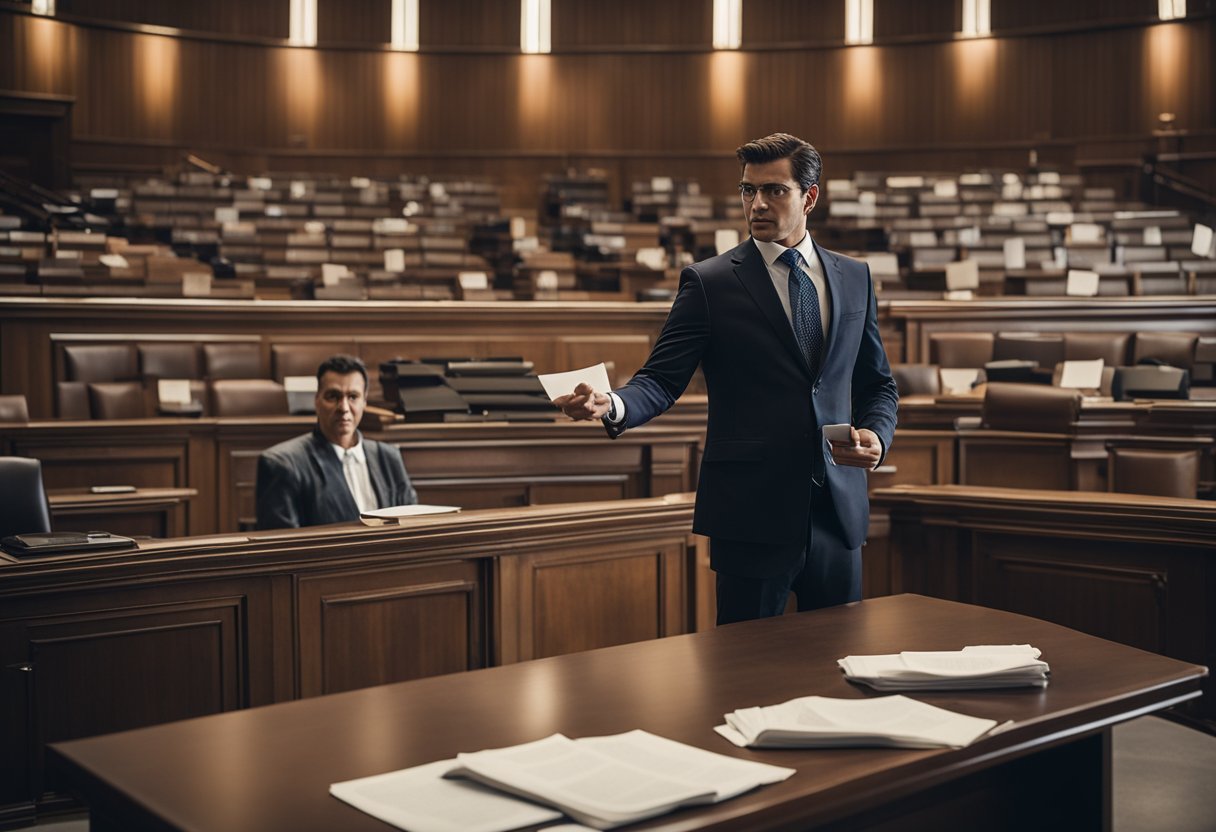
x: 169, y: 361
x: 917, y: 379
x: 99, y: 362
x: 72, y: 400
x: 225, y: 361
x: 23, y: 505
x: 302, y: 359
x: 248, y: 397
x: 1047, y: 348
x: 14, y: 409
x: 960, y: 349
x: 1033, y: 408
x: 1174, y: 348
x: 117, y: 400
x: 1161, y: 472
x: 1111, y: 347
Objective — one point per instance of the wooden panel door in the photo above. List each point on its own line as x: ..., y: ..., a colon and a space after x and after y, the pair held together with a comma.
x: 388, y: 625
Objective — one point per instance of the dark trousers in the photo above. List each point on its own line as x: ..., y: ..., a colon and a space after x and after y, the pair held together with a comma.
x: 824, y: 574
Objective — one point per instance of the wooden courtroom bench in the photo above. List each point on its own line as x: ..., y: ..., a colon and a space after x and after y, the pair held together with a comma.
x: 476, y: 465
x: 193, y: 626
x: 1127, y: 567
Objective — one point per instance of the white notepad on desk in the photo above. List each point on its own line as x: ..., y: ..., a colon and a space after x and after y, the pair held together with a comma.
x: 395, y: 514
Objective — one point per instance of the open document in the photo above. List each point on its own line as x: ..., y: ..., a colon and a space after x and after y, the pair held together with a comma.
x: 823, y: 722
x: 605, y: 782
x: 600, y: 781
x: 977, y: 667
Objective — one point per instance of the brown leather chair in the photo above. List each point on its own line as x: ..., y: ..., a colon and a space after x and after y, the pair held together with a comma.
x: 223, y: 361
x: 1111, y: 347
x: 1174, y: 348
x: 302, y: 359
x: 1157, y: 471
x: 960, y: 349
x: 14, y: 409
x: 1046, y: 348
x: 72, y: 400
x: 1033, y: 408
x: 100, y: 362
x: 117, y: 400
x: 248, y: 397
x: 169, y: 361
x: 917, y: 379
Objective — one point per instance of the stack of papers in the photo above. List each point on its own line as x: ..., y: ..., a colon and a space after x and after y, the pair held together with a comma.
x: 822, y: 722
x: 398, y: 514
x: 984, y: 666
x: 602, y: 782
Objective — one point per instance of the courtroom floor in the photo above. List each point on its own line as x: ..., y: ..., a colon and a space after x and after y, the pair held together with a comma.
x: 1162, y: 776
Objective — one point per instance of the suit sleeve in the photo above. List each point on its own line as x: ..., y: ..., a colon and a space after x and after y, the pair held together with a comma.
x: 403, y: 489
x: 875, y: 396
x: 675, y: 357
x: 277, y: 488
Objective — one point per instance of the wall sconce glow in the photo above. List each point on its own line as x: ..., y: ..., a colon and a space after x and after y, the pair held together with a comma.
x: 1171, y: 9
x: 728, y: 24
x: 303, y: 31
x: 977, y: 18
x: 46, y: 8
x: 534, y: 26
x: 859, y: 21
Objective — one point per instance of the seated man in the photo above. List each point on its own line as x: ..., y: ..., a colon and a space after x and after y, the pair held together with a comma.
x: 331, y: 474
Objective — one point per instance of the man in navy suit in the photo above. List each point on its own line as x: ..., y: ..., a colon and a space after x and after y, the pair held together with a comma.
x: 333, y: 473
x: 787, y: 336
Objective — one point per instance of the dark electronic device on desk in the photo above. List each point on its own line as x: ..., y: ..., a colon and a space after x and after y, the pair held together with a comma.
x: 58, y: 543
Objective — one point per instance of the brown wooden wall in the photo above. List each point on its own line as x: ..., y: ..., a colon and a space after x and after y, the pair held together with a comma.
x: 634, y: 89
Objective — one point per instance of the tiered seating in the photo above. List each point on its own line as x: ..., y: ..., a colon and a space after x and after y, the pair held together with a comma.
x: 1024, y: 234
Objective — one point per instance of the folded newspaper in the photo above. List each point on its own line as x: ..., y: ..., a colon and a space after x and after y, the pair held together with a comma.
x: 823, y: 722
x: 602, y: 782
x: 982, y: 666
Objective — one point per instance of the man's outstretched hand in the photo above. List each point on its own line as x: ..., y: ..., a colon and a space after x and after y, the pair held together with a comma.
x: 584, y: 403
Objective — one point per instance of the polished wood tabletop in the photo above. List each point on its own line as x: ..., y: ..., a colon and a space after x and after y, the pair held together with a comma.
x: 270, y: 768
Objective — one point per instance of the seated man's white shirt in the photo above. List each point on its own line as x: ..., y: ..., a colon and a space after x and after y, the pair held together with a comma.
x: 358, y: 480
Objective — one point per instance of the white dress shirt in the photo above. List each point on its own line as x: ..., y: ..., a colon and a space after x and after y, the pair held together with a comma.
x: 358, y: 480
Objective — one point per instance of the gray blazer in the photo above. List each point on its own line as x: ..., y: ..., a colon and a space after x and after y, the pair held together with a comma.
x: 300, y: 482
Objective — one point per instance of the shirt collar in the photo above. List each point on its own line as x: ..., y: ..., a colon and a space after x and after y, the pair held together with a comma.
x: 358, y: 451
x: 771, y: 251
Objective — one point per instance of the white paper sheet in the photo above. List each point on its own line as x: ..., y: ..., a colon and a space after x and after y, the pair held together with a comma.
x: 1083, y: 375
x: 1152, y: 235
x: 652, y: 257
x: 956, y: 380
x: 1203, y: 244
x: 882, y: 264
x: 1081, y: 283
x: 300, y: 384
x: 560, y: 384
x: 725, y: 239
x: 1015, y: 253
x: 965, y: 274
x: 395, y: 514
x: 421, y: 800
x: 394, y: 260
x: 473, y: 280
x: 196, y: 284
x: 173, y: 390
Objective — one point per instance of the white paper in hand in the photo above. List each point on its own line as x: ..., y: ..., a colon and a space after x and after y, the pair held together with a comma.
x: 561, y: 384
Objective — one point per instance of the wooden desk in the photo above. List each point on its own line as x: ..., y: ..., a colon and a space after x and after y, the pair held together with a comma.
x: 1132, y: 568
x: 155, y: 512
x: 268, y: 769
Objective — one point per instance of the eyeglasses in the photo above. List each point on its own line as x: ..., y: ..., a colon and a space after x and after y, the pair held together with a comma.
x: 772, y: 191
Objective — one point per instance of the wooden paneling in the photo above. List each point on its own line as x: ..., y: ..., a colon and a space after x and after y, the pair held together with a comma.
x: 1032, y: 13
x: 506, y: 114
x: 363, y: 22
x: 593, y: 23
x: 267, y: 19
x: 105, y: 642
x: 1015, y: 460
x: 391, y: 625
x: 1130, y: 568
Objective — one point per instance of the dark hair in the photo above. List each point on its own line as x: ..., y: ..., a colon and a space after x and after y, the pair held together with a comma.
x: 804, y: 159
x: 343, y: 365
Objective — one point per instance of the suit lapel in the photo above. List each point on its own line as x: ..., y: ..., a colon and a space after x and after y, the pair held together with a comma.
x: 752, y: 272
x: 834, y: 278
x: 372, y: 453
x: 333, y: 481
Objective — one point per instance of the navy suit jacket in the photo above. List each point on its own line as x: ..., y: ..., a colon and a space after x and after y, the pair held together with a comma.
x: 766, y: 410
x: 300, y: 482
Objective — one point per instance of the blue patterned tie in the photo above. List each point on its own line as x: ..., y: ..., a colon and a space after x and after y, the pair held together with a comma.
x: 804, y: 310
